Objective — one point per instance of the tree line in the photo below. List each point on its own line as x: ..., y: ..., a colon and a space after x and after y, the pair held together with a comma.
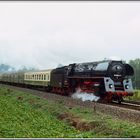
x: 7, y: 68
x: 136, y: 78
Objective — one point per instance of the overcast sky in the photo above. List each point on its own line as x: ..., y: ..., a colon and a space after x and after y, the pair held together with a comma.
x: 44, y: 34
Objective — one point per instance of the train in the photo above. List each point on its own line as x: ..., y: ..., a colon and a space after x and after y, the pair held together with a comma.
x: 108, y: 79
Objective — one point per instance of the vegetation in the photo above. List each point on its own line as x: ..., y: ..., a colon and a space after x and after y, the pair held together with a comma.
x: 136, y: 96
x: 5, y: 67
x: 8, y: 68
x: 24, y: 115
x: 136, y: 78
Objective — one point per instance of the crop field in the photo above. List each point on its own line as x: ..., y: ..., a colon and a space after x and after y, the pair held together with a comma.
x: 24, y: 115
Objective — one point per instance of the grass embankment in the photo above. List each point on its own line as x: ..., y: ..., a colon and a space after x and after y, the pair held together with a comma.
x: 24, y: 115
x: 136, y: 96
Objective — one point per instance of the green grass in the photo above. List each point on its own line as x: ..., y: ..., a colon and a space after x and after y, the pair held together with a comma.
x: 107, y: 125
x: 136, y: 96
x: 20, y: 118
x: 25, y: 115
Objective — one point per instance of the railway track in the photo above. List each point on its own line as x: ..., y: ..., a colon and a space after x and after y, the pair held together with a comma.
x: 126, y: 104
x: 132, y: 102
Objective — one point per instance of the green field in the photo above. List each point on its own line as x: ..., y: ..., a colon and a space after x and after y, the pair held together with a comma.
x: 24, y: 115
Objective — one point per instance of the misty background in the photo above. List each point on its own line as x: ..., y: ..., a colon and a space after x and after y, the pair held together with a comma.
x: 44, y: 35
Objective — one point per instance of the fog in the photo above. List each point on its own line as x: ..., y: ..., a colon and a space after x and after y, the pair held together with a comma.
x: 45, y: 34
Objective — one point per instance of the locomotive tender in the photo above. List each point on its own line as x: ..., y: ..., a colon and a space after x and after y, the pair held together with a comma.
x: 110, y: 80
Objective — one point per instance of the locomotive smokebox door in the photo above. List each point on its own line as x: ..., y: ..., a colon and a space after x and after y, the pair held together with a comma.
x: 109, y: 84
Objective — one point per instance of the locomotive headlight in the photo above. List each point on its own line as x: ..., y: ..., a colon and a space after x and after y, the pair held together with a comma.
x: 118, y: 67
x: 110, y: 86
x: 127, y: 86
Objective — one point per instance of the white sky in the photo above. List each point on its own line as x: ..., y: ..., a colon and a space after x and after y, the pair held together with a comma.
x: 44, y: 34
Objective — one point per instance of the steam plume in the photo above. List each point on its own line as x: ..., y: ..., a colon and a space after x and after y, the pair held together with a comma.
x: 85, y: 96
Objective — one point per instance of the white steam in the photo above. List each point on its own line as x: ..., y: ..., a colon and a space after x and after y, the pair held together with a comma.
x: 85, y: 96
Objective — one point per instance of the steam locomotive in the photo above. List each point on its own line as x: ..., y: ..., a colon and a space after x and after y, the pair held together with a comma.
x: 110, y: 80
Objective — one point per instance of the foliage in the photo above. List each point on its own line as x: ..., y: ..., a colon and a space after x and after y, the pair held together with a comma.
x: 25, y: 115
x: 135, y: 97
x: 136, y: 79
x: 5, y: 67
x: 22, y: 117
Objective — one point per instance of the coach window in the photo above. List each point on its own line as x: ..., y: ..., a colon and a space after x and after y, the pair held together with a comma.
x: 44, y: 77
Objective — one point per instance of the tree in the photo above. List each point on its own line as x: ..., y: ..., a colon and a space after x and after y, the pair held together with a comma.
x: 136, y: 78
x: 6, y: 68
